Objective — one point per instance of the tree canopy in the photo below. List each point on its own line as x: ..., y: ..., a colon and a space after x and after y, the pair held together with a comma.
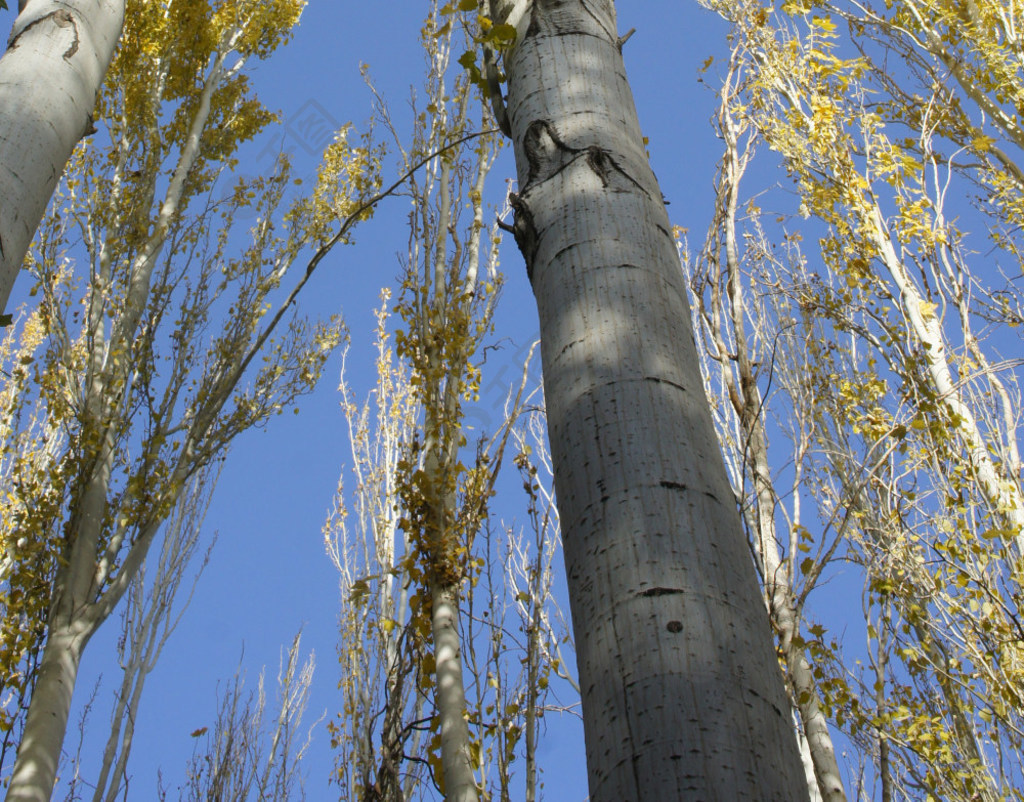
x: 845, y: 207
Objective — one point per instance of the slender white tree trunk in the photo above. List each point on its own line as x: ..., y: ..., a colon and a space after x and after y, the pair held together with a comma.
x: 682, y: 694
x: 39, y: 752
x: 739, y: 376
x: 73, y: 619
x: 1002, y: 491
x: 450, y: 696
x: 57, y: 55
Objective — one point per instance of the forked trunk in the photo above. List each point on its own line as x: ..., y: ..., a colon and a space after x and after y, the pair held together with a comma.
x: 682, y: 693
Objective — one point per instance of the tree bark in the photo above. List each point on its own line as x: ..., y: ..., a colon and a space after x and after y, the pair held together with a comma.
x: 450, y: 696
x: 56, y: 58
x: 35, y: 770
x: 682, y: 694
x: 1003, y: 492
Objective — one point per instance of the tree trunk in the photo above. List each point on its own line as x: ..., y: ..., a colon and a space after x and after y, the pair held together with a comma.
x: 450, y: 696
x: 35, y: 770
x: 1003, y: 492
x: 682, y: 694
x: 56, y: 58
x: 739, y: 378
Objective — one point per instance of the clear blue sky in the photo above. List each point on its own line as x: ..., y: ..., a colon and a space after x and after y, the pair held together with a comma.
x: 269, y: 574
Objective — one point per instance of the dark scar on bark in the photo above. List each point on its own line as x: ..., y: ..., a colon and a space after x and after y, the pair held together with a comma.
x: 539, y: 157
x: 63, y: 18
x: 661, y: 592
x: 523, y: 230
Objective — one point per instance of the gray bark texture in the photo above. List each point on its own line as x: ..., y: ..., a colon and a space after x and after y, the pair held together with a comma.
x: 683, y: 697
x: 56, y: 57
x: 35, y: 771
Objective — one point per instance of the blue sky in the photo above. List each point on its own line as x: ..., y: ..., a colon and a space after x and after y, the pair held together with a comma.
x: 269, y: 575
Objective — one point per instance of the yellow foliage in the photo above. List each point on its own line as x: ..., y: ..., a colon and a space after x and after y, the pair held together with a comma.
x: 880, y: 114
x: 132, y: 374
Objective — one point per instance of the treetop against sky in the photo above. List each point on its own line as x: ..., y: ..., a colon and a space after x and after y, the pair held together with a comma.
x: 844, y: 192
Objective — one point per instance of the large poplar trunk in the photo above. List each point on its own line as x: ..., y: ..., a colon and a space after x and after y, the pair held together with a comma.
x: 57, y: 55
x: 682, y: 694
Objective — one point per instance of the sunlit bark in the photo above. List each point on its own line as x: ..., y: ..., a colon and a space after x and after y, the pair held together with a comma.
x: 682, y: 695
x: 57, y: 55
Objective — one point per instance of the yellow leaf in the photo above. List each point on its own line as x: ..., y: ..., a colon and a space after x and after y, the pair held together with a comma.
x: 982, y: 143
x: 360, y: 589
x: 503, y: 34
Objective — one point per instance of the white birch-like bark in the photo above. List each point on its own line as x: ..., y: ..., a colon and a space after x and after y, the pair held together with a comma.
x: 76, y: 609
x: 57, y: 55
x: 450, y: 696
x: 1001, y: 491
x: 682, y: 695
x: 150, y: 619
x: 101, y: 558
x: 441, y: 430
x: 39, y: 751
x: 999, y: 484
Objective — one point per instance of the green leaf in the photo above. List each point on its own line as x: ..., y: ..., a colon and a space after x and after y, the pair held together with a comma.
x: 467, y: 5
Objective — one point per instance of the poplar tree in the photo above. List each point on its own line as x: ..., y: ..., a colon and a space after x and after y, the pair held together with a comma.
x: 151, y: 318
x: 896, y: 322
x: 738, y: 338
x: 682, y: 694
